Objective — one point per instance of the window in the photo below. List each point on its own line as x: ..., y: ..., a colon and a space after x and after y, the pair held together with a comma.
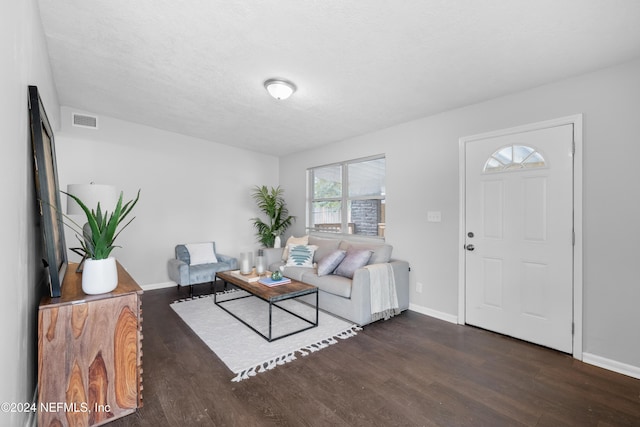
x: 348, y: 197
x: 514, y: 157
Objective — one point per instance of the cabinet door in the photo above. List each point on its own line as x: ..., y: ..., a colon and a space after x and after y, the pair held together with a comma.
x: 88, y: 362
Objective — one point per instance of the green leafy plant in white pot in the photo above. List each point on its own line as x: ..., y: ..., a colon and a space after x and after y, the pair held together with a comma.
x: 272, y: 204
x: 100, y: 274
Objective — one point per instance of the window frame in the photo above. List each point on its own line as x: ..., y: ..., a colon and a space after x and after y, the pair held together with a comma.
x: 344, y: 198
x: 515, y: 166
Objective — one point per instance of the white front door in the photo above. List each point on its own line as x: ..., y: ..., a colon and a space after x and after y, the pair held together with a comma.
x: 519, y: 235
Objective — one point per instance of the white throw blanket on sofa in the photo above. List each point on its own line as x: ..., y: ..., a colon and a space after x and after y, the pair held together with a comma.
x: 384, y: 298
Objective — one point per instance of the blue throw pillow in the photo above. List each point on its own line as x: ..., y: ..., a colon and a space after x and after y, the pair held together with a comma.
x: 355, y: 259
x: 329, y: 263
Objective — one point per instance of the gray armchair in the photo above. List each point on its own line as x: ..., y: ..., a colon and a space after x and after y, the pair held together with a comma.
x: 184, y: 274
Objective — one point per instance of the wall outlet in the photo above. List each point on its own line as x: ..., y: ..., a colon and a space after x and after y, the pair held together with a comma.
x: 434, y: 216
x: 419, y: 287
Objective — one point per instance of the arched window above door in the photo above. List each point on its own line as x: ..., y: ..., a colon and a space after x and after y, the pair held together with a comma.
x: 514, y: 157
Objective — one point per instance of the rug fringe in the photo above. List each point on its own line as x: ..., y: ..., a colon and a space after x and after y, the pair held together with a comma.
x: 195, y: 297
x: 304, y: 351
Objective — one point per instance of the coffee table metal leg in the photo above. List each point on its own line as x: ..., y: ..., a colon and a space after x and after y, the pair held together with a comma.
x: 270, y: 311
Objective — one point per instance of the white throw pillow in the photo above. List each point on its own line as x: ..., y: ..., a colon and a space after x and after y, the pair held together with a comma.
x: 304, y: 240
x: 201, y: 253
x: 301, y: 255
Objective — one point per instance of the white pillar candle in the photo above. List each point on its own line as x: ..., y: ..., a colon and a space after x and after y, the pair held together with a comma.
x: 244, y: 265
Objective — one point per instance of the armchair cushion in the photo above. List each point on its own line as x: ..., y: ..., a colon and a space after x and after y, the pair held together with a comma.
x: 201, y: 253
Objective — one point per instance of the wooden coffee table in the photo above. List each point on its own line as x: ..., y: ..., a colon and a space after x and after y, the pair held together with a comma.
x: 272, y: 295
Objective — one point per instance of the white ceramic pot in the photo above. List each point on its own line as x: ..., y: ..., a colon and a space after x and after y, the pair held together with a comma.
x: 99, y: 276
x: 277, y: 243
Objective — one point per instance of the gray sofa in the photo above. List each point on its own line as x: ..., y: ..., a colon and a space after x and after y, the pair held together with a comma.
x: 344, y: 297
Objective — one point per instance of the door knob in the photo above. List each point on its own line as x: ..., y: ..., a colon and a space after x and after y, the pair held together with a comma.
x: 469, y: 247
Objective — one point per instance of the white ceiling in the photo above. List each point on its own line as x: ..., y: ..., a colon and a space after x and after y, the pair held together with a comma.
x: 196, y: 67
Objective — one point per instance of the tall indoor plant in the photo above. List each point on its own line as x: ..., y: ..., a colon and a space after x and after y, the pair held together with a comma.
x: 97, y: 239
x: 271, y: 202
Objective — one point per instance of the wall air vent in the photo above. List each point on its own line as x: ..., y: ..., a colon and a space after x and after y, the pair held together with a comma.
x: 84, y: 121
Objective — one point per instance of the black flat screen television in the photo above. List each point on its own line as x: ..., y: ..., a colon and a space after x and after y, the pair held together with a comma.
x: 48, y: 193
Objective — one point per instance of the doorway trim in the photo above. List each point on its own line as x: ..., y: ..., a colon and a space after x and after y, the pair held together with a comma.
x: 576, y: 121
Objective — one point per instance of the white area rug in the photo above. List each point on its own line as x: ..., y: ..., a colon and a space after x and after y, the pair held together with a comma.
x: 245, y: 352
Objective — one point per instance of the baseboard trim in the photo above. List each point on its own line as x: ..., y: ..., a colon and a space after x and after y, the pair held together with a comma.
x: 591, y: 359
x: 611, y: 365
x: 162, y: 285
x: 434, y: 313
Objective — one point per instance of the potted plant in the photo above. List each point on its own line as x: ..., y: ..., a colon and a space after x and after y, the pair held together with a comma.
x: 97, y: 238
x: 272, y: 204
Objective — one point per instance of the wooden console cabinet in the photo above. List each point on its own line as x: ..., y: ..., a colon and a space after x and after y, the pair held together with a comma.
x: 89, y: 353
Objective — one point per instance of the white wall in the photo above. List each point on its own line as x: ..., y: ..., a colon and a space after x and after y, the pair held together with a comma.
x: 191, y: 190
x: 422, y: 175
x: 24, y: 62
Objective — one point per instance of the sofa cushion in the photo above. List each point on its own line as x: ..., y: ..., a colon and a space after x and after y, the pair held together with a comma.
x: 297, y: 273
x: 355, y: 259
x: 336, y: 285
x: 304, y: 240
x: 325, y: 246
x: 329, y: 263
x: 201, y: 253
x: 381, y: 252
x: 301, y: 255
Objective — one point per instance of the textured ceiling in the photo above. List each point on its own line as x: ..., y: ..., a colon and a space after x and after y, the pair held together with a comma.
x: 196, y: 67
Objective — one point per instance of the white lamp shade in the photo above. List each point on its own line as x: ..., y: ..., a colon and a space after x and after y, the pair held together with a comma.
x: 90, y: 195
x: 279, y: 89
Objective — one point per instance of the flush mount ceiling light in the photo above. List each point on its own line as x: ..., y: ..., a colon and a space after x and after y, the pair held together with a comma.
x: 279, y: 88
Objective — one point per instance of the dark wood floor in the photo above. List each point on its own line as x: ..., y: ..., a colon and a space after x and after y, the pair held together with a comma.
x: 412, y: 370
